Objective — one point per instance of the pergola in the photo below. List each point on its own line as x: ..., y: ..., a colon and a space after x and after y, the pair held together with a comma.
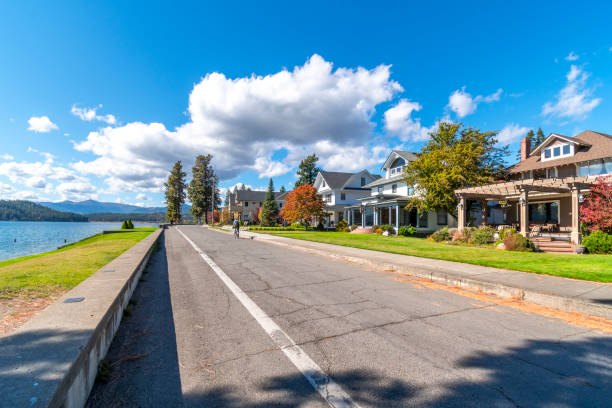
x: 521, y: 189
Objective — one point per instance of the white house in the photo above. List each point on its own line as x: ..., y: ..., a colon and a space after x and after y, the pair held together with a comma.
x: 340, y: 190
x: 388, y: 198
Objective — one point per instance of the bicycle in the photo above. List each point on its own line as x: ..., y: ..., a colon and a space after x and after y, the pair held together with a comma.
x: 236, y: 233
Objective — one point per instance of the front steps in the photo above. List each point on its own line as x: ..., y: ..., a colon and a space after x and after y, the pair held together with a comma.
x: 552, y: 246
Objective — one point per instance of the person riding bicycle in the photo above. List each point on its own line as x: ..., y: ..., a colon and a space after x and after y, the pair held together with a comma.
x: 236, y: 227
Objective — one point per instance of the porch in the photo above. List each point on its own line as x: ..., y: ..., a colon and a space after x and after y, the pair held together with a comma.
x: 545, y: 208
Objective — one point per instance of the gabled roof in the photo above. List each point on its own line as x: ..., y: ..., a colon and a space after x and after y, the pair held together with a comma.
x: 554, y: 136
x: 381, y: 181
x: 245, y: 195
x: 408, y: 156
x: 338, y: 180
x: 592, y: 146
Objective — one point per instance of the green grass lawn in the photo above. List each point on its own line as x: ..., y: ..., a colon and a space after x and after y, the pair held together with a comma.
x: 43, y: 274
x: 587, y: 267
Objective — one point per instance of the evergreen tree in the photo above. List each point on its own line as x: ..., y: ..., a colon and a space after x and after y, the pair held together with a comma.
x: 282, y: 190
x: 243, y: 187
x: 124, y: 225
x: 307, y: 171
x: 539, y: 138
x: 175, y: 193
x: 269, y: 210
x: 226, y: 203
x: 203, y: 189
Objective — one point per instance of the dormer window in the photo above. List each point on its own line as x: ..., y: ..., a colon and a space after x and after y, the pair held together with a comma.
x: 557, y: 150
x: 566, y: 149
x: 363, y: 181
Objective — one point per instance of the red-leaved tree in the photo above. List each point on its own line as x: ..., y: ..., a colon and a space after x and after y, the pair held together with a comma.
x: 596, y: 211
x: 256, y: 213
x: 302, y: 204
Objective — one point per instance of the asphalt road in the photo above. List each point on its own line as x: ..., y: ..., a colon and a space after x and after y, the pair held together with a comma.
x: 385, y: 342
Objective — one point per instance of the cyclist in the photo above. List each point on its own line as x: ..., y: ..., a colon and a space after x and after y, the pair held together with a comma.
x: 236, y: 229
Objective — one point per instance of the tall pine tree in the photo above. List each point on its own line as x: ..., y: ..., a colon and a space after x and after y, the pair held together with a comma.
x: 539, y: 138
x: 307, y: 171
x: 282, y: 190
x: 175, y: 193
x: 269, y: 210
x: 203, y: 189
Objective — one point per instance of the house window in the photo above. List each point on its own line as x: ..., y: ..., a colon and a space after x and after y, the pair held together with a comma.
x: 246, y: 203
x: 557, y: 151
x: 566, y: 149
x: 423, y: 219
x: 342, y: 196
x: 363, y: 181
x: 328, y: 198
x: 394, y: 188
x: 595, y: 167
x: 547, y: 153
x: 380, y: 189
x: 410, y: 190
x: 442, y: 217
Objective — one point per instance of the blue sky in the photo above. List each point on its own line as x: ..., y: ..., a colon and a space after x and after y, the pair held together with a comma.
x: 98, y: 99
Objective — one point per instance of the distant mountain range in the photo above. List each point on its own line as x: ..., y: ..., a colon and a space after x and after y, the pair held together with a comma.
x: 19, y: 210
x: 93, y: 206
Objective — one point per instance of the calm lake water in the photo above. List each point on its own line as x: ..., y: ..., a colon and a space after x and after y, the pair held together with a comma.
x: 34, y: 237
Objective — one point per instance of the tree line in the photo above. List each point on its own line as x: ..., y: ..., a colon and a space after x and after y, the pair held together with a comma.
x: 21, y: 210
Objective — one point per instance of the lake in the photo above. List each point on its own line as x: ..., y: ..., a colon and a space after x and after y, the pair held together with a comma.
x: 34, y: 237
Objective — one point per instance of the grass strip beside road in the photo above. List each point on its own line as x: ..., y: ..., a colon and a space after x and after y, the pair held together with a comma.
x: 51, y: 272
x: 596, y: 268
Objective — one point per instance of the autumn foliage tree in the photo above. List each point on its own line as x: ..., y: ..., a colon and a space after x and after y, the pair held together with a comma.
x: 596, y: 211
x: 302, y: 204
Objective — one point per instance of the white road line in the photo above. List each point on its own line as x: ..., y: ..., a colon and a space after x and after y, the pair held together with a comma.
x: 329, y: 390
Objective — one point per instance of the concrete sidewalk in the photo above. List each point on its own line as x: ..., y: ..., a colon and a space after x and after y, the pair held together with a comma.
x: 593, y: 298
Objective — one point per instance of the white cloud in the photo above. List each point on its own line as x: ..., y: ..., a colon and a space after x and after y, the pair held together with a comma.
x: 6, y: 157
x: 26, y: 195
x: 41, y: 124
x: 77, y: 190
x: 142, y: 197
x: 511, y: 133
x: 463, y: 104
x: 6, y: 188
x: 399, y: 121
x: 571, y: 57
x: 89, y: 114
x: 31, y: 173
x: 574, y: 100
x: 242, y: 121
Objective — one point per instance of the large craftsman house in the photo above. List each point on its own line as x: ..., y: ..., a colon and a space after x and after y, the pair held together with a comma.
x: 340, y: 190
x: 542, y: 198
x: 388, y: 197
x: 245, y: 203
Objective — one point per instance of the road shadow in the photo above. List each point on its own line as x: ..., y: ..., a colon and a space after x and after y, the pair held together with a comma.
x: 143, y: 356
x: 539, y: 373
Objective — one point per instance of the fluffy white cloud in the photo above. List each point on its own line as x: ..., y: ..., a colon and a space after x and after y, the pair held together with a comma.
x: 143, y: 197
x: 76, y: 190
x: 575, y: 99
x: 463, y: 104
x: 399, y: 121
x: 571, y: 56
x: 6, y: 188
x: 89, y: 114
x: 511, y: 132
x: 35, y: 174
x: 241, y: 121
x: 6, y: 157
x: 26, y: 195
x: 41, y: 124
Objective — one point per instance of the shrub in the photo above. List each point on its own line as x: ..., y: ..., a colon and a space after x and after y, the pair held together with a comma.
x: 388, y: 228
x: 459, y: 236
x: 598, y: 243
x: 354, y: 227
x: 378, y: 231
x: 375, y: 227
x: 342, y: 226
x: 517, y: 242
x: 297, y: 225
x: 320, y: 226
x: 129, y: 224
x: 124, y: 225
x: 405, y: 231
x: 484, y: 235
x: 505, y: 232
x: 441, y: 235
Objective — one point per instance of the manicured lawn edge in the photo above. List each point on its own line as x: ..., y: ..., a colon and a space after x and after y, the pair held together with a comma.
x: 597, y: 268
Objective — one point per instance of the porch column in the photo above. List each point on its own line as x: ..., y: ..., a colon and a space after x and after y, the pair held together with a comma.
x: 390, y: 217
x: 576, y: 236
x: 461, y: 214
x: 524, y: 212
x: 375, y: 216
x: 397, y: 213
x: 363, y: 217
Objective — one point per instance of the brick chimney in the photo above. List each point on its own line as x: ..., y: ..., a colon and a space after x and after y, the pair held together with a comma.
x: 525, y: 148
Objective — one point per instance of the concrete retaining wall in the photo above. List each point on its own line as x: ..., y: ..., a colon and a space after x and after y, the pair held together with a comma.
x: 52, y: 360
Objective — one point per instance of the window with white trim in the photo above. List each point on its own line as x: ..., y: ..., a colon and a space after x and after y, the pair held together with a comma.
x: 394, y: 188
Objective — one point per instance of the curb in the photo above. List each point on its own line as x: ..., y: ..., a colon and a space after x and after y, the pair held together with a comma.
x: 52, y: 360
x: 434, y: 275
